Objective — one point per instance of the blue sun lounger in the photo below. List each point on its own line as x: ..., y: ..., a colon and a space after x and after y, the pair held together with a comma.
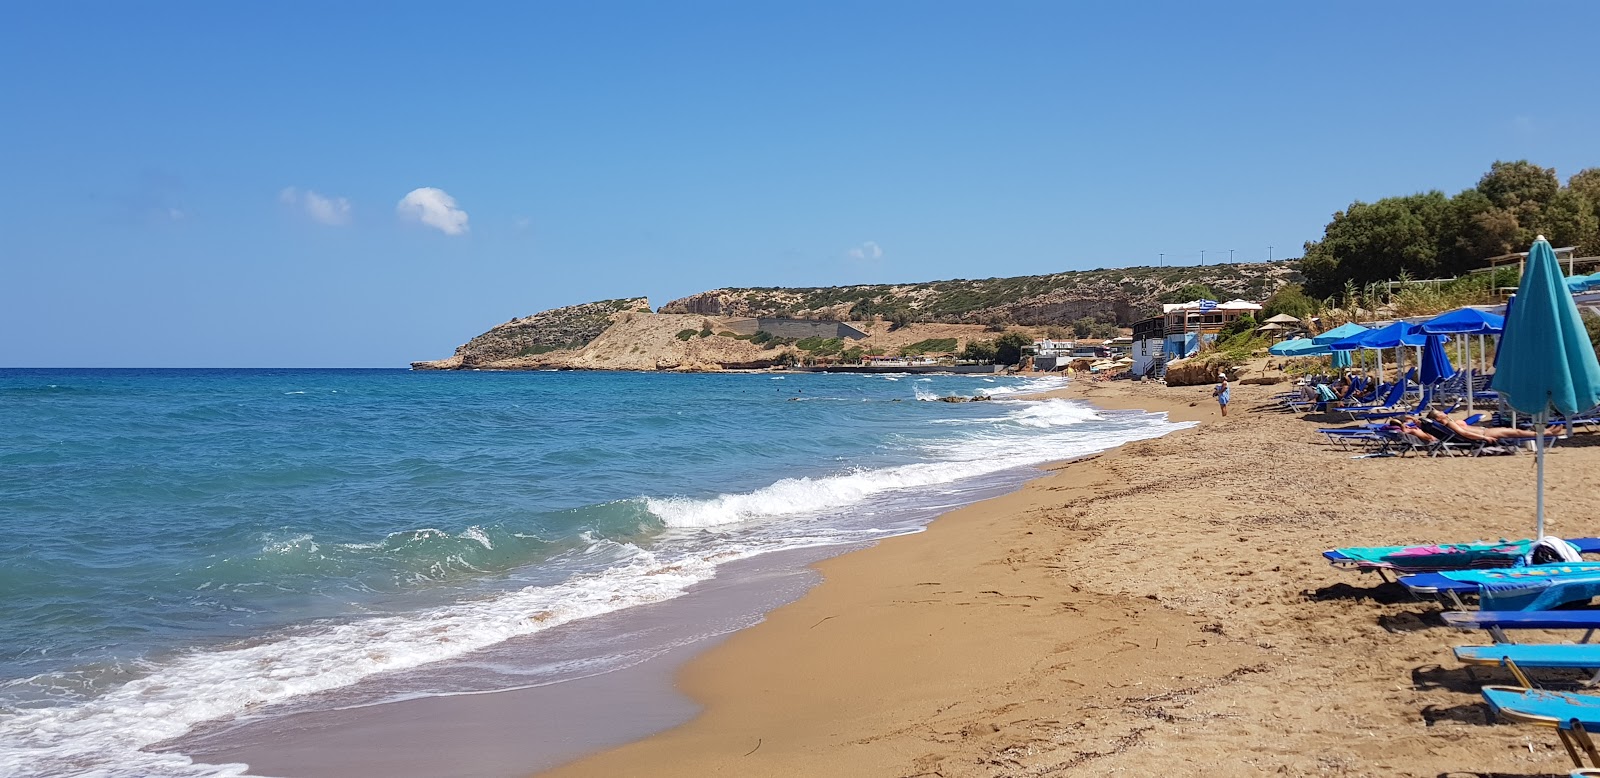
x: 1497, y: 622
x: 1570, y: 715
x: 1567, y: 656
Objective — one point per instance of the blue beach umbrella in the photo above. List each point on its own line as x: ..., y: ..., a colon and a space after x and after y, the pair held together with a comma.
x: 1338, y: 333
x: 1393, y: 336
x: 1545, y: 359
x: 1305, y: 348
x: 1464, y: 321
x: 1282, y: 348
x: 1435, y: 367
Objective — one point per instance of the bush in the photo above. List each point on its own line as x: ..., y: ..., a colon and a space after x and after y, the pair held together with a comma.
x: 1243, y: 324
x: 1290, y: 299
x: 1591, y: 323
x: 930, y: 344
x: 705, y: 332
x: 852, y: 354
x: 686, y: 334
x: 820, y: 346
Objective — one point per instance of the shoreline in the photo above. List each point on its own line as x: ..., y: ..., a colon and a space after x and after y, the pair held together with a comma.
x: 1158, y: 608
x: 704, y: 677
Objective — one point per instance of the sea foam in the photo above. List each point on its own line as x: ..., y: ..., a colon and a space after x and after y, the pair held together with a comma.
x: 106, y: 736
x: 989, y: 448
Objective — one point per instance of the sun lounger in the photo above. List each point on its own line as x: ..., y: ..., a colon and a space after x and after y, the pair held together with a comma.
x: 1567, y: 656
x: 1383, y: 557
x: 1497, y: 622
x: 1451, y: 586
x: 1571, y: 715
x: 1395, y: 393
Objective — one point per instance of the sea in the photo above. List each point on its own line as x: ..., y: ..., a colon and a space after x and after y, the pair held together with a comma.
x: 189, y: 549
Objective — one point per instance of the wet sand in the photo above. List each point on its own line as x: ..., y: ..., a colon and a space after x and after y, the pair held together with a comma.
x: 1157, y: 610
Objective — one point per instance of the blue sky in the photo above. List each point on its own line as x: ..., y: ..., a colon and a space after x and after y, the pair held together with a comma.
x: 220, y: 184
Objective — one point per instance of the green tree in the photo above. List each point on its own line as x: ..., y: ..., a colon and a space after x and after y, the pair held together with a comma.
x: 1519, y: 186
x: 1570, y: 220
x: 978, y: 351
x: 1290, y: 299
x: 1008, y: 348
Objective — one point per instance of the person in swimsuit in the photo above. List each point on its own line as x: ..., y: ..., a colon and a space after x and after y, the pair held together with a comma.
x: 1407, y: 425
x: 1220, y: 391
x: 1490, y: 434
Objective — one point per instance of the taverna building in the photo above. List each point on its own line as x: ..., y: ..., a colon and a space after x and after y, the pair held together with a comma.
x: 1180, y: 329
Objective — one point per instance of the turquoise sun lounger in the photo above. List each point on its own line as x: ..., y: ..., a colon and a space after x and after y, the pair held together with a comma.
x: 1439, y: 558
x: 1571, y: 715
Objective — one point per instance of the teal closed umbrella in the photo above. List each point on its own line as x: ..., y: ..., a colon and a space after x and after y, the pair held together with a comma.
x: 1545, y: 359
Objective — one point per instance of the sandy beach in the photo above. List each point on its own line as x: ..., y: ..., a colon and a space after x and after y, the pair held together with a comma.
x: 1161, y: 609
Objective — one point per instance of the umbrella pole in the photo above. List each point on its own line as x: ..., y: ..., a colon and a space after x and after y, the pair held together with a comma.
x: 1538, y: 449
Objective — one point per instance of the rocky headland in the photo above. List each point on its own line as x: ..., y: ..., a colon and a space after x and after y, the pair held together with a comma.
x: 714, y: 330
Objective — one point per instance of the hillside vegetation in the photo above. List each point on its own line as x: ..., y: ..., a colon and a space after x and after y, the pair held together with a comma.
x: 1119, y: 295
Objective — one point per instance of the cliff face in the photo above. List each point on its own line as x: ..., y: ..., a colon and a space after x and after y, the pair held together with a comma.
x: 558, y: 329
x: 1122, y: 295
x: 629, y: 338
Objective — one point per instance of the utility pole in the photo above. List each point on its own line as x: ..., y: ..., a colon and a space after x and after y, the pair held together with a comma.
x: 1202, y: 257
x: 1269, y: 253
x: 1230, y: 256
x: 1161, y: 260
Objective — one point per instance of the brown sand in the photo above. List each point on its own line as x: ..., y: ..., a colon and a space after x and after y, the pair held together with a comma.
x: 1158, y: 610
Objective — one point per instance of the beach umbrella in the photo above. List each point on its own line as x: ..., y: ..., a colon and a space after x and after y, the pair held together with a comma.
x: 1283, y: 318
x: 1296, y: 348
x: 1545, y: 359
x: 1464, y: 321
x: 1340, y: 359
x: 1434, y: 367
x: 1338, y: 333
x: 1305, y: 348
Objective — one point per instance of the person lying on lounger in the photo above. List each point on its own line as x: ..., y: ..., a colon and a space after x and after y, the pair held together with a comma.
x: 1488, y: 434
x: 1407, y: 425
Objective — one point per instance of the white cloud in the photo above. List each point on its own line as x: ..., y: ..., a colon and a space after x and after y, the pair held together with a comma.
x: 332, y: 211
x: 435, y: 208
x: 867, y: 250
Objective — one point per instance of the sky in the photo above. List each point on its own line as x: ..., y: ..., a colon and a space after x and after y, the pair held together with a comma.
x: 363, y: 184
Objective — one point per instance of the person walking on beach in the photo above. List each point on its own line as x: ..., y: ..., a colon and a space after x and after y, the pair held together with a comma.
x: 1220, y: 391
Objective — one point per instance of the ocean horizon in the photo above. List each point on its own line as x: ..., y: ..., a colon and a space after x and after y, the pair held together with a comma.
x: 211, y: 547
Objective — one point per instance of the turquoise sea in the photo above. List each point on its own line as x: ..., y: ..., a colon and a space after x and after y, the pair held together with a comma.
x: 180, y: 547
